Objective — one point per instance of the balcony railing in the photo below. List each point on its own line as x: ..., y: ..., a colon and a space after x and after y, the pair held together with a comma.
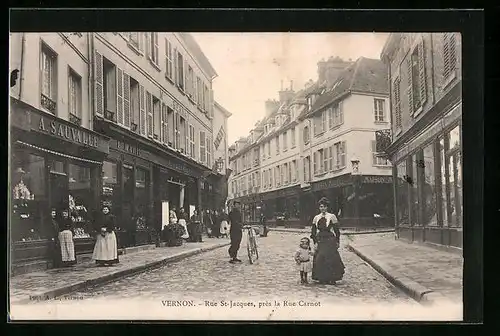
x: 75, y: 119
x: 48, y: 103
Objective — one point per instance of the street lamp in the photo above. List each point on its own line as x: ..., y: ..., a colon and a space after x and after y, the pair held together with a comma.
x: 357, y: 187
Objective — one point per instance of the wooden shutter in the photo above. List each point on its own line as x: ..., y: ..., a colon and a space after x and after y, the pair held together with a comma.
x: 156, y: 48
x: 98, y: 87
x: 397, y: 103
x: 126, y: 100
x: 119, y: 96
x: 315, y: 163
x: 176, y: 70
x: 421, y: 72
x: 148, y: 44
x: 409, y: 90
x: 344, y: 154
x: 149, y: 111
x: 187, y: 85
x: 140, y: 37
x: 142, y: 102
x: 187, y: 145
x: 163, y: 122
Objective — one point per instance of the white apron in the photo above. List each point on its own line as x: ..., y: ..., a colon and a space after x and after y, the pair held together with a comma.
x: 224, y: 227
x: 106, y: 247
x: 184, y: 225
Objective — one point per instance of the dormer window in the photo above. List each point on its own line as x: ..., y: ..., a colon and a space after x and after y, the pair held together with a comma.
x: 309, y: 102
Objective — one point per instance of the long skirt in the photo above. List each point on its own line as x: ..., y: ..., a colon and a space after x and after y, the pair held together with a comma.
x: 184, y: 225
x: 327, y: 266
x: 106, y: 249
x: 224, y: 228
x: 67, y: 247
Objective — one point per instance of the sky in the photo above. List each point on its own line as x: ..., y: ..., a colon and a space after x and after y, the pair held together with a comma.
x: 252, y: 66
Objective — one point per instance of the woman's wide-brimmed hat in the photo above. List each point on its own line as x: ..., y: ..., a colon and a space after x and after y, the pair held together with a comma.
x: 324, y: 201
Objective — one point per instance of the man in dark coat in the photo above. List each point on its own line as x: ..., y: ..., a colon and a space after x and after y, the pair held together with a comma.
x: 235, y: 232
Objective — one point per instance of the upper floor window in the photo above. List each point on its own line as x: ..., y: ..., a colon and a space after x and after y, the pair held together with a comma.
x: 379, y: 110
x: 309, y: 102
x: 48, y: 75
x: 192, y: 150
x: 190, y: 82
x: 285, y: 141
x: 135, y: 40
x: 199, y: 98
x: 336, y: 115
x: 209, y: 152
x: 180, y: 70
x: 377, y: 160
x: 339, y: 152
x: 156, y: 118
x: 449, y: 56
x: 202, y: 147
x: 256, y: 156
x: 293, y: 136
x: 319, y: 123
x: 152, y: 47
x: 109, y: 87
x: 278, y: 145
x: 416, y: 93
x: 134, y: 105
x: 75, y: 97
x: 307, y: 169
x: 305, y: 134
x: 269, y: 149
x: 169, y: 60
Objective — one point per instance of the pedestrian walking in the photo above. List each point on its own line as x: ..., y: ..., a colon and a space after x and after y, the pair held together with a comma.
x: 106, y: 247
x: 235, y: 232
x: 328, y: 266
x: 303, y: 259
x: 263, y: 221
x: 208, y: 223
x: 215, y: 223
x: 331, y: 221
x: 66, y: 243
x: 183, y: 218
x: 224, y: 225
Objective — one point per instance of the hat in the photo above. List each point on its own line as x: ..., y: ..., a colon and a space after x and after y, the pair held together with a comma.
x: 324, y: 201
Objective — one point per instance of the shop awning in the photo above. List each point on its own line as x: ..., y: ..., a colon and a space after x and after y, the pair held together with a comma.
x: 57, y: 153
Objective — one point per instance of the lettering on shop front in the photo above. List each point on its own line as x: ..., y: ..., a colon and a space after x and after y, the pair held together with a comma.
x: 69, y: 133
x: 330, y: 184
x: 128, y: 148
x: 377, y: 179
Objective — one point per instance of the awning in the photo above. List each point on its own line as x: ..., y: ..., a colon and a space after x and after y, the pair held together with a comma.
x: 57, y: 153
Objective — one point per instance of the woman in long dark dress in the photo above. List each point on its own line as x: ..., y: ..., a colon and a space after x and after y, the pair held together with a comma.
x: 328, y: 267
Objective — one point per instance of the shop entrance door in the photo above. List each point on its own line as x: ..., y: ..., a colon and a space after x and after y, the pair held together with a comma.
x: 59, y: 191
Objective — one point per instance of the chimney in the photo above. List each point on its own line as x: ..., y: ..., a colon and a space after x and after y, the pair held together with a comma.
x: 330, y: 70
x: 271, y: 106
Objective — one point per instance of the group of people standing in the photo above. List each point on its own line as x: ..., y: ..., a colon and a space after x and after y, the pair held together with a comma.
x: 326, y: 265
x: 214, y: 223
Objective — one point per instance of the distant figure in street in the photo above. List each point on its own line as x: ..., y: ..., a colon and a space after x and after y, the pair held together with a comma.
x: 224, y: 225
x: 183, y: 218
x: 208, y: 223
x: 265, y: 230
x: 303, y: 259
x: 172, y: 216
x: 235, y: 232
x: 195, y: 227
x: 332, y: 221
x: 328, y: 266
x: 106, y: 247
x: 66, y: 243
x: 215, y: 223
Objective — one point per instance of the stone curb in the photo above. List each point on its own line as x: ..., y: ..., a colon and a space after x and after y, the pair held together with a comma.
x: 343, y: 233
x: 415, y: 290
x: 101, y: 280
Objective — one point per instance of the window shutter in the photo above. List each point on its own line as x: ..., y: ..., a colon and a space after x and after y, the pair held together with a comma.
x: 156, y: 55
x: 163, y: 122
x: 315, y: 162
x: 409, y: 90
x: 397, y: 103
x: 140, y: 37
x: 344, y: 153
x: 149, y: 111
x: 449, y: 54
x: 126, y: 100
x: 98, y: 87
x: 119, y: 95
x: 176, y: 67
x: 142, y: 118
x: 421, y: 72
x: 187, y: 145
x: 374, y: 152
x: 187, y: 84
x: 148, y: 45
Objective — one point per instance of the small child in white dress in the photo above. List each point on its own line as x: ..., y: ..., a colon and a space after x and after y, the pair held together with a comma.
x: 303, y: 259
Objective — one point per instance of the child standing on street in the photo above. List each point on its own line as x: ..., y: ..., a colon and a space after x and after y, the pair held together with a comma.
x: 303, y: 259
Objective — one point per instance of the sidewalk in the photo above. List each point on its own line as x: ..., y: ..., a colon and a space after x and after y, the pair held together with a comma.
x: 344, y: 231
x: 58, y: 282
x: 429, y: 275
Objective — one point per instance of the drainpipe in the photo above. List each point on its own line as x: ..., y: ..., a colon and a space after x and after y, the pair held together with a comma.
x: 21, y: 77
x: 90, y: 86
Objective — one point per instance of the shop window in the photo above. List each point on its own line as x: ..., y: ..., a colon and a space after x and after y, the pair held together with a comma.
x: 402, y: 189
x: 429, y: 190
x: 48, y: 75
x: 29, y: 196
x: 141, y: 198
x: 80, y: 200
x: 455, y: 178
x: 75, y: 98
x: 414, y: 189
x: 110, y: 186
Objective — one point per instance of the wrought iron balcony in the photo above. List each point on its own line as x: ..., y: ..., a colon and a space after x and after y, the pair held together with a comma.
x: 75, y: 119
x: 48, y: 103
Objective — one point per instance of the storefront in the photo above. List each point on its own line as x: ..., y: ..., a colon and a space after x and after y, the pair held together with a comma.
x: 142, y: 181
x: 280, y: 207
x: 357, y: 200
x: 55, y: 165
x: 428, y: 188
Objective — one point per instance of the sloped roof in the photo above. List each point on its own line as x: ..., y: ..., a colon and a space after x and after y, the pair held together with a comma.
x: 364, y: 75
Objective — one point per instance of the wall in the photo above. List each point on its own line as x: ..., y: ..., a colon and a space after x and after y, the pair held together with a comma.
x: 220, y: 122
x: 115, y: 48
x: 434, y: 64
x: 71, y: 52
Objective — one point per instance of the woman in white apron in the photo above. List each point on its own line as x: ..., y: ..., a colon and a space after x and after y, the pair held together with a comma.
x: 106, y: 246
x: 183, y: 218
x: 224, y: 224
